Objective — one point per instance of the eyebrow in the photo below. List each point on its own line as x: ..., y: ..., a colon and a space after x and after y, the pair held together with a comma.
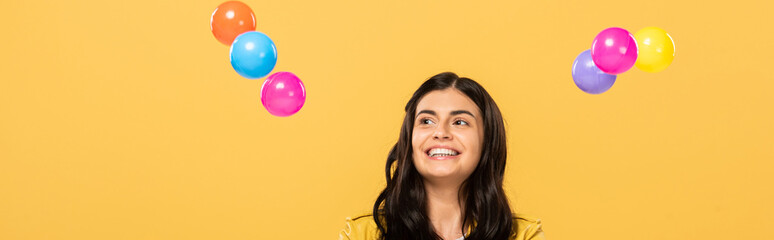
x: 455, y: 112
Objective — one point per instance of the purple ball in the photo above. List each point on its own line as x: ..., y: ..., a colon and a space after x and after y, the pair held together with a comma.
x: 588, y: 77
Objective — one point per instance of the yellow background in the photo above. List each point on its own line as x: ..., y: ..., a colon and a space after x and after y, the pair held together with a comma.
x: 125, y: 120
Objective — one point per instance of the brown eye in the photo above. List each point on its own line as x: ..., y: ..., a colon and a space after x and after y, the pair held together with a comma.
x: 424, y: 120
x: 461, y: 121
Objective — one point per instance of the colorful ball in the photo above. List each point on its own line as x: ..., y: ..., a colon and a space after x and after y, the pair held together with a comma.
x: 231, y: 19
x: 614, y: 50
x: 588, y: 77
x: 283, y: 94
x: 253, y: 55
x: 656, y: 49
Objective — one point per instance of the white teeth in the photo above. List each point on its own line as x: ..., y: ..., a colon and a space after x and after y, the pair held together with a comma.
x: 442, y: 152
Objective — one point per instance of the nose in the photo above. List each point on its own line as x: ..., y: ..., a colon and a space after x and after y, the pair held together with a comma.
x: 441, y: 133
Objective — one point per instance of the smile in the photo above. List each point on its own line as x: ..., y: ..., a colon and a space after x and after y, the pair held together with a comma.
x: 441, y: 153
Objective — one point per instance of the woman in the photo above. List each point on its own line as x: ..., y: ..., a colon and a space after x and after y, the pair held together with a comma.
x: 445, y: 174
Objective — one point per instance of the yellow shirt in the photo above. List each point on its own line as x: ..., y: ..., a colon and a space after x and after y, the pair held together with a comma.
x: 364, y: 228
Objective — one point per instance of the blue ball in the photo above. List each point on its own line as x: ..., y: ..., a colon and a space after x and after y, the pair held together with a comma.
x: 253, y: 55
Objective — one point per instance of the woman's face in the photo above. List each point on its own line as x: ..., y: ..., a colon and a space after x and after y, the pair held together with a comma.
x: 448, y: 136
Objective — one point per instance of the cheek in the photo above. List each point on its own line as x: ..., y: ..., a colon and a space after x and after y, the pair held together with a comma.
x: 474, y: 144
x: 417, y: 138
x: 471, y: 139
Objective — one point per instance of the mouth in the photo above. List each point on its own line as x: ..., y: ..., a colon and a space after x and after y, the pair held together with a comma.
x: 442, y: 153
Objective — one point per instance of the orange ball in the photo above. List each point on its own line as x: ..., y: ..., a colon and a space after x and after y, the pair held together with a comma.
x: 231, y: 19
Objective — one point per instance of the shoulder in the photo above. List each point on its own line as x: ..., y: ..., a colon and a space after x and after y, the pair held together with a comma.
x: 363, y: 227
x: 359, y: 227
x: 527, y: 227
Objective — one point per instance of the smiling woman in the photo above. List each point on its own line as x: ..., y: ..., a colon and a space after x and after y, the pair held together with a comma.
x: 445, y: 173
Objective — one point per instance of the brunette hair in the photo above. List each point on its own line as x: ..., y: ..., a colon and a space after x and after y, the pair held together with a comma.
x: 400, y: 210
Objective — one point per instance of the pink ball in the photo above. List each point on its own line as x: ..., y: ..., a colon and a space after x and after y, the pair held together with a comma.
x: 283, y: 94
x: 614, y: 50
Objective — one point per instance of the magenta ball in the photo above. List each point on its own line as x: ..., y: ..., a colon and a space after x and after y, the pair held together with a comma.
x: 614, y: 50
x: 283, y: 94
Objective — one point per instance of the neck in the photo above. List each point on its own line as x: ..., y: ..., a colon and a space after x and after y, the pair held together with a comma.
x: 444, y: 209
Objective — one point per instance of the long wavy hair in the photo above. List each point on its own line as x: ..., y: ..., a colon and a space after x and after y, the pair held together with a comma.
x: 400, y: 210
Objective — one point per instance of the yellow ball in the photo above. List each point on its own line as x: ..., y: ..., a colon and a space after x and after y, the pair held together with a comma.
x: 656, y: 49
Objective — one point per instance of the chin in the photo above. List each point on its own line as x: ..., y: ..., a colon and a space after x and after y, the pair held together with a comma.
x: 441, y: 172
